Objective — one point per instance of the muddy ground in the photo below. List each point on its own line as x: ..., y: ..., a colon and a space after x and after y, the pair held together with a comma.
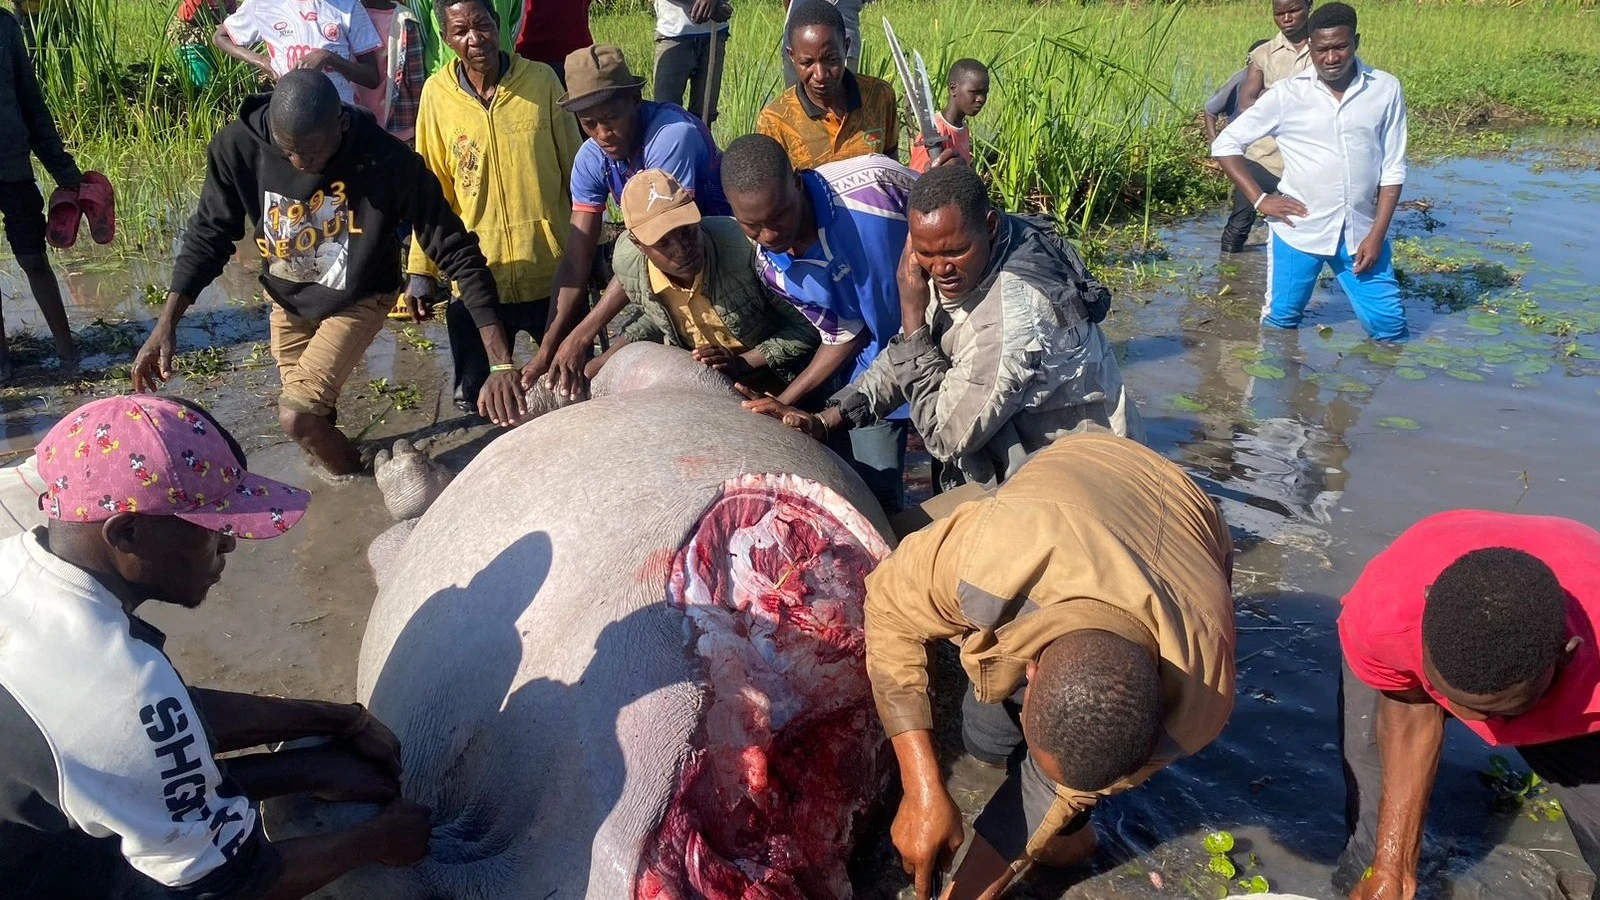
x: 1320, y: 445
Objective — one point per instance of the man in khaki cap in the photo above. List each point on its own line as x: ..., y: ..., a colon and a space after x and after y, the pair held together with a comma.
x: 692, y: 282
x: 626, y: 135
x: 1090, y: 597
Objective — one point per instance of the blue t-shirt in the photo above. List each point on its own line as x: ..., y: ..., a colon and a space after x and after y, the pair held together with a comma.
x: 670, y: 139
x: 846, y: 282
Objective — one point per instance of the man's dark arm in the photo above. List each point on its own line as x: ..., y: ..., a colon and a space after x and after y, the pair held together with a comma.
x: 1410, y: 737
x: 42, y: 134
x: 824, y: 363
x: 237, y: 721
x: 1255, y: 81
x: 224, y: 42
x: 398, y: 836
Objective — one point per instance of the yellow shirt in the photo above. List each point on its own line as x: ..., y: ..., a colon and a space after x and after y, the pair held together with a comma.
x: 505, y: 169
x: 696, y: 321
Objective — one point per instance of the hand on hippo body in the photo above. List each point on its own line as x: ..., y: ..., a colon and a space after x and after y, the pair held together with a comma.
x: 576, y: 734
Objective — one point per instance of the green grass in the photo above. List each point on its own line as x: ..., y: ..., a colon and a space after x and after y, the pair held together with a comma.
x: 1092, y: 116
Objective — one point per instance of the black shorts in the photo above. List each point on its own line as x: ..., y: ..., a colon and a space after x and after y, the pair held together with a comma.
x: 23, y: 207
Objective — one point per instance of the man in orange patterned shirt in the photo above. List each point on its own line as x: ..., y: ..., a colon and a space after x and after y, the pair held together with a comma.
x: 832, y: 114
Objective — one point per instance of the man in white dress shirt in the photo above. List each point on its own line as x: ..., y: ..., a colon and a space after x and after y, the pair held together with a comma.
x: 1341, y: 127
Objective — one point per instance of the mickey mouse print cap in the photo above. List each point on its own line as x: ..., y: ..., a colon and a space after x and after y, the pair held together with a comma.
x: 152, y: 456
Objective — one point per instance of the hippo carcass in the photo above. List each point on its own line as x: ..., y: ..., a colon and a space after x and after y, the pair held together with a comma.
x: 623, y: 652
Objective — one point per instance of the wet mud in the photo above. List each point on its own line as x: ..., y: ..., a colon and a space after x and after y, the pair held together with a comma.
x: 1321, y: 446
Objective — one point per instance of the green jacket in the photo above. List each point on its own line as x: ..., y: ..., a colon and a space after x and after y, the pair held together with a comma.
x: 760, y: 319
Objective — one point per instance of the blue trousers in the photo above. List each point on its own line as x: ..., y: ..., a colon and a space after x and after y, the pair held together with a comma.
x: 1374, y: 294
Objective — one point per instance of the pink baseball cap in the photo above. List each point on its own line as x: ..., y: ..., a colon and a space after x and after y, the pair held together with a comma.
x: 145, y: 454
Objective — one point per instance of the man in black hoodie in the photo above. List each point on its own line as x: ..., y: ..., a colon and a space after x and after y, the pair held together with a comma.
x: 326, y: 187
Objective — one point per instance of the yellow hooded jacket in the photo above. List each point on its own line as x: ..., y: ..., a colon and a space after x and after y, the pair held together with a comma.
x: 506, y: 170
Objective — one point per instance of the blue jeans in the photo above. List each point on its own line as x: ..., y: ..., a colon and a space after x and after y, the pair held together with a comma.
x: 878, y: 454
x: 1374, y: 294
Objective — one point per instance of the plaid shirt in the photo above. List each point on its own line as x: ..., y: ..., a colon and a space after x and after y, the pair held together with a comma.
x: 409, y: 77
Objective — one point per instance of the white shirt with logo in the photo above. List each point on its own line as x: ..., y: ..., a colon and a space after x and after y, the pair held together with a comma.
x: 290, y: 29
x: 129, y: 754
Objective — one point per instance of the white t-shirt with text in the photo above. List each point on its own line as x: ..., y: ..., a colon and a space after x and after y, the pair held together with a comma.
x: 290, y: 29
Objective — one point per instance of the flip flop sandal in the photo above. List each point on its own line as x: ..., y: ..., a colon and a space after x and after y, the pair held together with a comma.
x: 401, y: 310
x: 61, y: 228
x: 99, y: 204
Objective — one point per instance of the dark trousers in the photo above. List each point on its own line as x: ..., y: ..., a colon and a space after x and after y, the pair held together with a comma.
x: 466, y: 345
x: 992, y: 733
x: 687, y: 62
x: 1571, y: 768
x: 1243, y: 217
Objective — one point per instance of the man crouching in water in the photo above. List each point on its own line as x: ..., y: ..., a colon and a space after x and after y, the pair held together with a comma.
x: 1090, y: 596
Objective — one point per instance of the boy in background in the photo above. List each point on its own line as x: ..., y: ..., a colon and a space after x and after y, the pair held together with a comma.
x: 969, y: 91
x: 338, y: 41
x: 22, y: 104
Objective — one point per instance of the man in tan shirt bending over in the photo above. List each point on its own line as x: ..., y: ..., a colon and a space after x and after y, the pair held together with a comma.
x: 1090, y: 596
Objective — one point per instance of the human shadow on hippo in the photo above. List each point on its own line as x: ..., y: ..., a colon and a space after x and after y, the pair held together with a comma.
x: 623, y: 652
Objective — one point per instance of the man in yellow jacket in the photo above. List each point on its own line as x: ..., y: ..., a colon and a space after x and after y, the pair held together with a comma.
x: 1090, y: 596
x: 491, y: 130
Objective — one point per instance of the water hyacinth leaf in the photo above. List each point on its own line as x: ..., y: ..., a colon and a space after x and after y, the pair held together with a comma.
x: 1400, y: 423
x: 1463, y: 375
x: 1256, y: 885
x: 1410, y: 374
x: 1263, y: 370
x: 1221, y: 865
x: 1219, y: 842
x: 1187, y: 404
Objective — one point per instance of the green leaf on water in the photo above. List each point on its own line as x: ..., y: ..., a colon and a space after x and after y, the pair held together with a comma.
x: 1580, y: 351
x: 1219, y: 842
x: 1354, y: 387
x: 1263, y: 370
x: 1248, y: 354
x: 1187, y: 404
x: 1399, y: 422
x: 1534, y: 365
x: 1483, y: 323
x: 1221, y: 865
x: 1256, y: 885
x: 1411, y: 374
x: 1383, y: 357
x: 1463, y: 375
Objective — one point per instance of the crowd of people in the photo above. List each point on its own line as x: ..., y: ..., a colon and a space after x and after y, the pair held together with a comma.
x: 854, y: 298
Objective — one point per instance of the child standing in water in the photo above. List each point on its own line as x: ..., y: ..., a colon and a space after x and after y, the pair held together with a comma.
x: 969, y: 91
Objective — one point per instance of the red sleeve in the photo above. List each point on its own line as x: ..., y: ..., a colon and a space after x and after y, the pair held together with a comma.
x: 1376, y: 656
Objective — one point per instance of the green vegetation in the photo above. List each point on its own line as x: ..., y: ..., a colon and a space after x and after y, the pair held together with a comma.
x: 1515, y: 791
x: 1092, y: 118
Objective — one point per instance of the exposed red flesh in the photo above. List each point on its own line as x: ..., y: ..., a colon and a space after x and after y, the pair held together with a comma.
x: 790, y: 752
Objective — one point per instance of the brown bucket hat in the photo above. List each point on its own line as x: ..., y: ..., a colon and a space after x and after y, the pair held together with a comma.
x: 594, y: 74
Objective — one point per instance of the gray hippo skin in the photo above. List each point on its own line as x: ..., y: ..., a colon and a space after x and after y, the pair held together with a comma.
x: 623, y: 653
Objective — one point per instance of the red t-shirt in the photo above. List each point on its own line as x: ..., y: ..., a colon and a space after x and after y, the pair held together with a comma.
x: 551, y: 29
x: 1381, y: 623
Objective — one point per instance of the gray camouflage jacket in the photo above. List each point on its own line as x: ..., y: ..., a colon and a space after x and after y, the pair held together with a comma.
x: 1003, y: 372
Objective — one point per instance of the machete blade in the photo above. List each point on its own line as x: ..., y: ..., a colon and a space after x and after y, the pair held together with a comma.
x: 918, y: 93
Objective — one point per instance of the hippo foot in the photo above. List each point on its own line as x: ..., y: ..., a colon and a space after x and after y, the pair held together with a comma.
x: 409, y: 480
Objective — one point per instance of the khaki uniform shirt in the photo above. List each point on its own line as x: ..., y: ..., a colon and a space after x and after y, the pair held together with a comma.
x: 1095, y: 532
x: 1277, y: 59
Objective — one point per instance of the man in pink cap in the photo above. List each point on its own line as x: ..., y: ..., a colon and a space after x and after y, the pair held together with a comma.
x: 108, y: 782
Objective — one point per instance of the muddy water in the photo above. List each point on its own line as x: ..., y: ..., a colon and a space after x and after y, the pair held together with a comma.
x: 1321, y: 446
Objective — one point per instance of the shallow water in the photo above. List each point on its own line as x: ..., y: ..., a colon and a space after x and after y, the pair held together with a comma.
x: 1322, y: 450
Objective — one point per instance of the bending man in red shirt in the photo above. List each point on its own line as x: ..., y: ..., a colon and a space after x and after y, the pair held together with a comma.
x: 1489, y: 618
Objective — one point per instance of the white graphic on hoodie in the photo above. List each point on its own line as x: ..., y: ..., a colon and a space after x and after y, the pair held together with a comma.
x: 308, y: 241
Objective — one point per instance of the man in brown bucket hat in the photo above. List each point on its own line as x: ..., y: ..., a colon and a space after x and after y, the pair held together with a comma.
x: 626, y: 135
